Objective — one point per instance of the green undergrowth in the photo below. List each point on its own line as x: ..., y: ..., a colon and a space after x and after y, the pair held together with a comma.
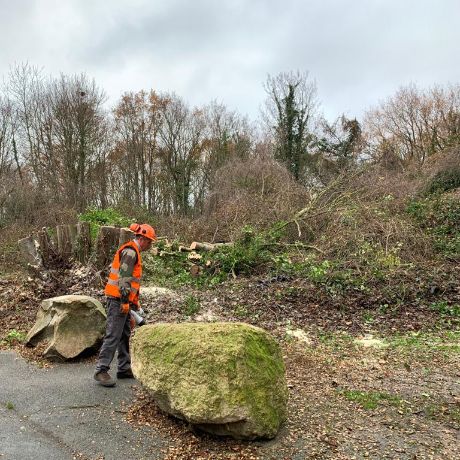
x: 425, y: 405
x: 445, y: 309
x: 439, y: 215
x: 253, y: 252
x: 191, y: 305
x: 99, y: 217
x: 267, y: 252
x: 380, y: 273
x: 444, y: 181
x: 13, y: 336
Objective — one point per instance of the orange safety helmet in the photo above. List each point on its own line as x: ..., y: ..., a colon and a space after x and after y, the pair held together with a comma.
x: 144, y: 230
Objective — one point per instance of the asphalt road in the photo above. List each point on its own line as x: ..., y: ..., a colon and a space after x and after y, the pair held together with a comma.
x: 61, y: 413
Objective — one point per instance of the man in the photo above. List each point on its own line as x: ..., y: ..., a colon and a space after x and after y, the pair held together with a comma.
x: 122, y: 291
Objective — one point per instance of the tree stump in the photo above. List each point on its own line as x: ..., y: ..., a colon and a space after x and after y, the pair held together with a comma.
x: 64, y: 242
x: 72, y: 231
x: 83, y: 242
x: 28, y: 248
x: 45, y: 247
x: 106, y: 245
x: 125, y: 235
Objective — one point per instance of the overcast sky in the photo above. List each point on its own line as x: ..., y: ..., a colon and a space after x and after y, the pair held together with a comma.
x: 358, y: 51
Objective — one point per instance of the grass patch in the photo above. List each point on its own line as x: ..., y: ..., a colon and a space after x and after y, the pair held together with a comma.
x: 445, y: 309
x: 9, y: 405
x: 14, y: 336
x: 442, y: 411
x: 447, y: 342
x: 370, y: 400
x: 191, y: 305
x: 241, y: 311
x: 338, y: 344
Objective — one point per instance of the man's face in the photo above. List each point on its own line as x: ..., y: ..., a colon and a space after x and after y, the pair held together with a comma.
x: 145, y: 244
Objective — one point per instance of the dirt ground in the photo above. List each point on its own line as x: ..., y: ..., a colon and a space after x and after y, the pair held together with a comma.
x: 396, y: 399
x: 363, y: 384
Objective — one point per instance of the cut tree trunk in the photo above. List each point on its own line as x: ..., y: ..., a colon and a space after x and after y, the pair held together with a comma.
x: 194, y: 256
x: 64, y: 242
x: 106, y: 245
x: 203, y: 246
x: 195, y: 270
x: 29, y: 251
x: 83, y: 243
x: 125, y: 235
x: 45, y: 247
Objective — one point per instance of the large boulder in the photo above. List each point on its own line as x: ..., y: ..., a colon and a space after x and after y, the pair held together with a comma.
x: 69, y: 325
x: 223, y: 378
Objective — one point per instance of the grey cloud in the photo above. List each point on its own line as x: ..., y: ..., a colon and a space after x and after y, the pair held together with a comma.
x: 358, y: 52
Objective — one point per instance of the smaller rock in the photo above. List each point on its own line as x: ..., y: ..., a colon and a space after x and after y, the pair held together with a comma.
x: 70, y: 324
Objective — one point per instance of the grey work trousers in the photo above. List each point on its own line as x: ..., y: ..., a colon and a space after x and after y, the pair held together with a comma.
x: 116, y: 337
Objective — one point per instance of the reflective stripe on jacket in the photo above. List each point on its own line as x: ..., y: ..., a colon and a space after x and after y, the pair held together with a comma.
x: 112, y: 288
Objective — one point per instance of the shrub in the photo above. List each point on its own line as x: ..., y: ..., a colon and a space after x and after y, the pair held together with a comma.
x: 255, y: 192
x: 444, y: 180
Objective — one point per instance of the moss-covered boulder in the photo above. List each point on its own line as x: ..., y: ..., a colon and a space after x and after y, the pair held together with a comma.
x: 223, y: 378
x: 70, y: 325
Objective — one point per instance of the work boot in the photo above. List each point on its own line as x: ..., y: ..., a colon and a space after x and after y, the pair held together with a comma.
x: 128, y: 374
x: 104, y: 379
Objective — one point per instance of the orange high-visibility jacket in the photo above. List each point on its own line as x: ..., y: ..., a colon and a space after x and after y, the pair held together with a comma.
x: 112, y: 288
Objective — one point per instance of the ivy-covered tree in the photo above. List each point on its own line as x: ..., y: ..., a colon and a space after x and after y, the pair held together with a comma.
x: 290, y: 109
x: 339, y: 146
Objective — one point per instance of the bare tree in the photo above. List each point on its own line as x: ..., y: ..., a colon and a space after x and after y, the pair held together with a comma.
x: 6, y: 153
x: 137, y: 122
x: 414, y: 124
x: 182, y: 144
x: 26, y: 89
x: 228, y: 137
x: 79, y: 128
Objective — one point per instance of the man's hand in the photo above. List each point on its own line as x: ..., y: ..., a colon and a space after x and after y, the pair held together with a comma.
x: 124, y: 291
x: 124, y: 308
x: 135, y: 307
